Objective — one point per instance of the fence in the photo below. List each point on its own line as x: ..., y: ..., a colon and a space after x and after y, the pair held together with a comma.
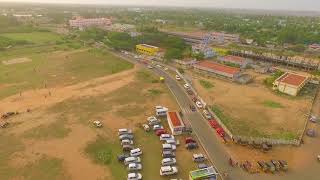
x: 247, y: 139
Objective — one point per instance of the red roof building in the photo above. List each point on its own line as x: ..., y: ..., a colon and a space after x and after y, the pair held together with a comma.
x: 210, y: 67
x: 290, y: 83
x: 235, y: 60
x: 175, y: 123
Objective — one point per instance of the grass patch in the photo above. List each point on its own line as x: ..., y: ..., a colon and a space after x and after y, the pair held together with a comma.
x: 56, y: 129
x: 272, y: 104
x: 104, y: 152
x: 154, y: 92
x: 269, y: 81
x: 147, y: 76
x: 33, y: 37
x: 44, y: 168
x: 206, y: 84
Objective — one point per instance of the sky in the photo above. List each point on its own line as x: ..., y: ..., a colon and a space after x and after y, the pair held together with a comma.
x: 302, y: 5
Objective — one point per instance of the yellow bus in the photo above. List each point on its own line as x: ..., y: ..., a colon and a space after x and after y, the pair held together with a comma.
x: 147, y: 49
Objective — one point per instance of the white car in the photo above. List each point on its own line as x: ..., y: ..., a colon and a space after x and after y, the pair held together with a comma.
x: 126, y: 142
x: 165, y: 137
x: 98, y: 124
x: 178, y: 78
x: 168, y: 161
x: 169, y: 147
x: 134, y: 167
x: 150, y: 67
x: 166, y: 69
x: 199, y: 104
x: 159, y: 66
x: 130, y: 160
x: 135, y: 152
x: 146, y: 127
x: 171, y: 141
x: 157, y: 127
x: 187, y: 86
x: 134, y: 176
x: 168, y: 170
x: 124, y: 131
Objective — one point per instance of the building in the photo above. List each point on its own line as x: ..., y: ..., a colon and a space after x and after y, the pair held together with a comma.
x: 314, y: 47
x: 290, y: 83
x: 83, y: 23
x: 186, y: 64
x: 161, y: 111
x: 216, y: 69
x: 147, y: 49
x: 242, y: 62
x: 221, y: 37
x: 175, y: 123
x: 204, y: 173
x: 206, y: 50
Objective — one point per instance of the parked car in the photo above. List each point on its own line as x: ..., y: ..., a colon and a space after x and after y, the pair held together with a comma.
x: 276, y: 164
x: 150, y: 67
x: 207, y: 115
x: 146, y: 127
x: 193, y: 109
x: 171, y: 141
x: 284, y: 165
x: 168, y: 154
x: 178, y: 78
x: 214, y: 124
x: 168, y: 161
x: 202, y: 166
x: 190, y: 146
x: 187, y: 86
x: 220, y: 132
x: 125, y: 136
x: 263, y: 166
x: 4, y: 124
x: 189, y: 91
x: 166, y: 69
x: 134, y: 167
x: 168, y: 147
x: 159, y: 66
x: 124, y: 131
x: 127, y: 147
x: 97, y: 124
x: 135, y: 152
x: 199, y: 158
x: 129, y: 160
x: 168, y: 170
x: 160, y: 131
x: 189, y: 140
x: 134, y: 176
x: 271, y: 167
x: 122, y: 157
x: 164, y: 137
x: 199, y: 104
x: 157, y: 127
x: 126, y: 142
x: 153, y: 121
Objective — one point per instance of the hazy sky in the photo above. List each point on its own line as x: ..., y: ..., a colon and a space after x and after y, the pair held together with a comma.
x: 255, y: 4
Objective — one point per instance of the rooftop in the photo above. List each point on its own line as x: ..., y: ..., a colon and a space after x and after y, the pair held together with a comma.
x: 234, y: 58
x: 147, y: 45
x: 219, y: 67
x: 175, y: 119
x: 292, y: 79
x: 202, y: 173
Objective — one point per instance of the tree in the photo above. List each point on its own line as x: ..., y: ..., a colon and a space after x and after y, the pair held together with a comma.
x: 173, y: 53
x: 198, y: 56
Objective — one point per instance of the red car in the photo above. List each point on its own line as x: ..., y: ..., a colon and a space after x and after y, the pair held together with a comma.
x: 160, y: 131
x: 190, y: 140
x: 220, y: 132
x: 214, y: 124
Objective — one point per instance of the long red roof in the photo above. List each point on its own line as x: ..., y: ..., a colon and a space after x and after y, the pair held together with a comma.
x: 235, y: 58
x: 175, y: 120
x: 292, y: 79
x: 219, y: 67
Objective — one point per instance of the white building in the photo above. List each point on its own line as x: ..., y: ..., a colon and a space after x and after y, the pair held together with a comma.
x: 290, y: 83
x: 84, y: 23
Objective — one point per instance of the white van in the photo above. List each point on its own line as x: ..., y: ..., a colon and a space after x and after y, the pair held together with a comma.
x: 168, y: 147
x: 124, y: 131
x: 135, y: 152
x: 129, y: 160
x: 168, y: 170
x: 164, y: 137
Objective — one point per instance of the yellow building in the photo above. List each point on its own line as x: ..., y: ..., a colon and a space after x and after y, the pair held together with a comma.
x: 147, y: 49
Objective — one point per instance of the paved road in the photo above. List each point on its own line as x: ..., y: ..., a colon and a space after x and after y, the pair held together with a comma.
x: 213, y: 144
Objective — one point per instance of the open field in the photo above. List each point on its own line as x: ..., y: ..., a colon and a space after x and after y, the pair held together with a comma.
x: 34, y: 37
x: 254, y: 110
x: 66, y: 91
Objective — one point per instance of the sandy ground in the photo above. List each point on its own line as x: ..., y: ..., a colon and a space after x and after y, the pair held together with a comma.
x: 16, y: 61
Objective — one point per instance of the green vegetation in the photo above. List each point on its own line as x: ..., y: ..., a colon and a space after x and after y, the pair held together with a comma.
x: 232, y: 64
x: 206, y: 84
x: 44, y: 168
x: 34, y: 37
x: 154, y: 92
x: 272, y: 104
x: 55, y: 129
x: 77, y: 67
x: 269, y: 81
x: 101, y: 151
x: 147, y: 76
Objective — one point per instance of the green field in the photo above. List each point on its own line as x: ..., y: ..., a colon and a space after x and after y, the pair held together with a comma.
x: 56, y: 69
x: 34, y: 37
